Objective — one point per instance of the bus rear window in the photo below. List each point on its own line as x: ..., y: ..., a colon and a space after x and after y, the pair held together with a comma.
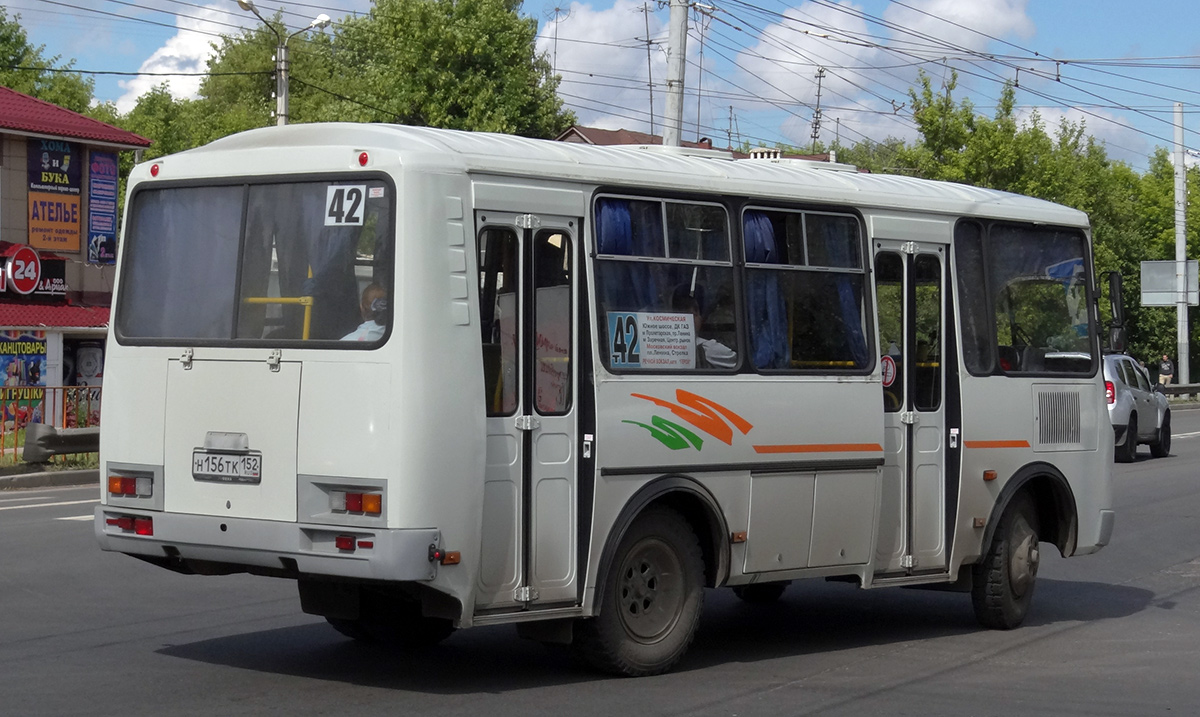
x: 259, y: 264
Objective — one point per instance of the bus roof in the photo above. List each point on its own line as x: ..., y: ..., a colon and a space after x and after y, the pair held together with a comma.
x: 656, y: 167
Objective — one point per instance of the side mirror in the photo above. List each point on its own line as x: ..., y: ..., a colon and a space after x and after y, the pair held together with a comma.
x: 1117, y: 335
x: 1117, y: 338
x: 1116, y: 298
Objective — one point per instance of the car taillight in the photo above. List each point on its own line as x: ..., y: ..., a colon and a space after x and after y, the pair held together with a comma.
x: 355, y: 502
x: 1110, y: 393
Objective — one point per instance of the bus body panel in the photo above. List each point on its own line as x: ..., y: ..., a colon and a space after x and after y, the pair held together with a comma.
x: 798, y: 465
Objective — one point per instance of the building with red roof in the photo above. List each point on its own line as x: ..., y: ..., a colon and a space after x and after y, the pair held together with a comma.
x: 609, y: 137
x: 58, y: 237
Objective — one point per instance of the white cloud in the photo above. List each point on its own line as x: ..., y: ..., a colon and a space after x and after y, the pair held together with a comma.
x: 601, y: 56
x: 185, y: 52
x: 1121, y: 141
x: 959, y: 23
x: 189, y: 49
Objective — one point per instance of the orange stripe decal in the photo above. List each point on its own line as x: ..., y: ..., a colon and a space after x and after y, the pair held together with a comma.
x: 996, y: 444
x: 822, y: 448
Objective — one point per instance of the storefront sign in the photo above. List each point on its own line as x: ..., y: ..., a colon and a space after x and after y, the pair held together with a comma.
x: 54, y: 188
x: 53, y: 279
x: 102, y: 208
x: 23, y: 368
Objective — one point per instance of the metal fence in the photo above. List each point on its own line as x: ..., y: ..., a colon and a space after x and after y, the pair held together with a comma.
x: 58, y: 406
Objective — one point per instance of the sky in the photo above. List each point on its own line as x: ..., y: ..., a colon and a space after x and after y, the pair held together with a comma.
x: 1117, y: 66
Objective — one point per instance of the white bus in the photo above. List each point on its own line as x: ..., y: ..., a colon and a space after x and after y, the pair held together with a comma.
x: 446, y: 379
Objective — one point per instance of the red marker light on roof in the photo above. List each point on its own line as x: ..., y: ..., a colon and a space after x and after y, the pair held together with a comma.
x: 154, y: 170
x: 363, y: 158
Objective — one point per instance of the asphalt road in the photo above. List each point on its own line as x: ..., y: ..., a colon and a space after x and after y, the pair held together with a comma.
x: 1116, y: 633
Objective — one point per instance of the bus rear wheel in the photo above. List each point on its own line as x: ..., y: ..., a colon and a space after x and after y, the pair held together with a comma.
x: 652, y: 599
x: 392, y: 623
x: 1003, y: 581
x: 760, y: 594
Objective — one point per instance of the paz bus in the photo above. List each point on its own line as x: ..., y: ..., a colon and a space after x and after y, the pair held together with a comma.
x: 445, y: 379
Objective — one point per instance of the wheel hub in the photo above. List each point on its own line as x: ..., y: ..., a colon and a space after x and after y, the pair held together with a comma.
x: 649, y: 590
x: 1025, y: 557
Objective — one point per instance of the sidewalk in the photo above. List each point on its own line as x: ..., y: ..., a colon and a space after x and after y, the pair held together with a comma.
x: 45, y: 479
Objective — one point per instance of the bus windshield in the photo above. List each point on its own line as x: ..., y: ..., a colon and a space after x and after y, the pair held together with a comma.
x: 254, y: 264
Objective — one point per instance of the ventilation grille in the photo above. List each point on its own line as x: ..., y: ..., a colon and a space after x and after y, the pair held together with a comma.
x: 1058, y: 417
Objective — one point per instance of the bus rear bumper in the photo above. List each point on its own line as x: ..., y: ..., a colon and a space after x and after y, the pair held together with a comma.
x: 241, y: 544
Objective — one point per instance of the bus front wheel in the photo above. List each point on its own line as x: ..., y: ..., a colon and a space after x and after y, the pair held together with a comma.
x: 1003, y: 580
x: 652, y: 599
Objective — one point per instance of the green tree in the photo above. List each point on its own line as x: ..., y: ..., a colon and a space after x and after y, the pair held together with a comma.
x: 462, y: 64
x: 24, y: 68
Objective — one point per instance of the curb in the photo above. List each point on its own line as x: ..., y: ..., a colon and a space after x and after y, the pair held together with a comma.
x: 46, y: 479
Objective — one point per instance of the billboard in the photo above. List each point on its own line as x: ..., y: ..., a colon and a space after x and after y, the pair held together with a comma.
x: 54, y: 190
x: 102, y: 208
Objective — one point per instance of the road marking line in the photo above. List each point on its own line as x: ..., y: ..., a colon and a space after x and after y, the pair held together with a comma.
x: 17, y: 500
x: 1193, y: 434
x: 80, y: 518
x: 48, y: 505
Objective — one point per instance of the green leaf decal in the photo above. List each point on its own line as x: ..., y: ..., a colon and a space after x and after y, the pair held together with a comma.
x: 671, y: 435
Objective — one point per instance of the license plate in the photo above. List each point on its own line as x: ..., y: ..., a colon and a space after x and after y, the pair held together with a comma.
x: 227, y: 467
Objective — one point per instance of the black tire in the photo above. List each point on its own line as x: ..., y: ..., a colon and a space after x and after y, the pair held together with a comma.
x: 397, y: 624
x: 761, y: 593
x: 1128, y: 453
x: 1161, y: 448
x: 1003, y: 581
x: 653, y: 595
x: 350, y: 628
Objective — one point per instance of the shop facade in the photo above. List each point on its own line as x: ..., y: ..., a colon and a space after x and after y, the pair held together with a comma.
x: 58, y: 237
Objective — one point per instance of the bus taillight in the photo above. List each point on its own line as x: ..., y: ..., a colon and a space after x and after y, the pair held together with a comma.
x: 129, y: 523
x: 353, y: 502
x: 130, y: 486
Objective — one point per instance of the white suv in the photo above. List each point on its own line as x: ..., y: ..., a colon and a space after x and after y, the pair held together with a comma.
x: 1138, y: 410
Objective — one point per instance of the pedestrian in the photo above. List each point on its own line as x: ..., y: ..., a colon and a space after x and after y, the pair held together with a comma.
x: 1166, y: 371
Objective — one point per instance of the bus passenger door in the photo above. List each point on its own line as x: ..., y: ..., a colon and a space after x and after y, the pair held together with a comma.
x: 909, y: 280
x: 527, y: 294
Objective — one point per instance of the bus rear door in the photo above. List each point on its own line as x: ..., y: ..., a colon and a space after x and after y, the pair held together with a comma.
x: 527, y: 294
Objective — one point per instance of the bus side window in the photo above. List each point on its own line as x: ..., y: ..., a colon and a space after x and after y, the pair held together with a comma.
x: 499, y: 322
x: 552, y: 321
x: 805, y: 291
x: 664, y: 268
x: 889, y: 292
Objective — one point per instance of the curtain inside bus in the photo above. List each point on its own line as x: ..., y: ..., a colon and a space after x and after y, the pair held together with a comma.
x: 181, y: 263
x: 313, y: 259
x: 839, y: 237
x: 764, y: 301
x: 629, y: 228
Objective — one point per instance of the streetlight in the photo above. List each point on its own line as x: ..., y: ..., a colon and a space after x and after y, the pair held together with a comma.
x: 281, y: 57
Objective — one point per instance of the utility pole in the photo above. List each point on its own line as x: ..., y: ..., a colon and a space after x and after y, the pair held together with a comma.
x: 649, y: 64
x: 676, y: 54
x: 1181, y: 296
x: 816, y: 121
x: 320, y: 22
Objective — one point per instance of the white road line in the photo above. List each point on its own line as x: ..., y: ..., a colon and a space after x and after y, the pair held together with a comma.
x: 80, y: 518
x: 49, y: 505
x: 1193, y: 434
x: 17, y: 500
